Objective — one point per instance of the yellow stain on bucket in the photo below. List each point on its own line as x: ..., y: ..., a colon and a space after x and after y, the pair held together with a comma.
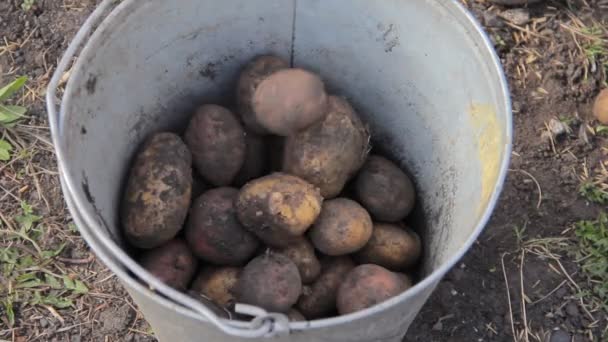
x: 489, y: 144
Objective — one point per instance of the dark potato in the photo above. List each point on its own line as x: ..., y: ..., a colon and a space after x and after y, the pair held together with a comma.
x: 392, y: 247
x: 367, y: 285
x: 217, y: 141
x: 158, y: 191
x: 295, y: 316
x: 319, y: 299
x: 172, y: 263
x: 302, y: 253
x: 331, y: 151
x: 218, y: 284
x: 343, y: 227
x: 270, y: 281
x: 256, y: 160
x: 215, y: 234
x: 385, y: 190
x: 254, y: 73
x: 278, y: 208
x: 289, y: 100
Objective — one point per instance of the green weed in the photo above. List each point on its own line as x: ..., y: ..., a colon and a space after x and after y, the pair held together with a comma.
x: 592, y: 253
x: 593, y: 193
x: 10, y: 114
x: 26, y: 5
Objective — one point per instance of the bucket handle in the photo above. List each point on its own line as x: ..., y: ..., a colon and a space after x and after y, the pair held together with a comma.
x: 264, y: 324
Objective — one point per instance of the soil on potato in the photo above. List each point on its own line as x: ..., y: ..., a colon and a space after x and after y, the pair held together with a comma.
x: 550, y: 78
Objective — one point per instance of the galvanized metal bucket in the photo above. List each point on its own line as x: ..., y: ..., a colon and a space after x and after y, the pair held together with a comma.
x: 422, y: 73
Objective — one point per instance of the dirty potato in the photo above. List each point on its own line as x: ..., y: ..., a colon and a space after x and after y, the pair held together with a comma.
x: 343, y: 227
x: 295, y: 316
x: 254, y: 73
x: 214, y: 232
x: 173, y: 263
x: 270, y: 281
x: 391, y: 247
x: 367, y: 285
x: 330, y: 152
x: 302, y: 253
x: 278, y: 208
x: 217, y: 284
x: 217, y: 141
x: 289, y: 100
x: 385, y: 190
x: 158, y: 191
x: 319, y: 299
x: 256, y: 159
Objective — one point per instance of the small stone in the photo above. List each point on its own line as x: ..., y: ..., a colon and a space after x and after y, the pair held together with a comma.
x: 517, y: 16
x: 75, y: 338
x: 438, y: 326
x: 572, y: 309
x: 491, y: 20
x: 43, y: 323
x: 560, y: 336
x: 558, y: 128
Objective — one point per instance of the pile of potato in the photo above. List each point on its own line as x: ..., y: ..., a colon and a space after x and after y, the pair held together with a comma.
x: 254, y: 207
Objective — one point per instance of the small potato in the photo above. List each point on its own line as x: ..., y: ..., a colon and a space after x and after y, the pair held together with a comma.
x: 217, y: 141
x: 270, y: 281
x: 254, y: 73
x: 391, y: 247
x: 367, y: 285
x: 158, y: 191
x: 600, y: 107
x: 173, y: 263
x: 343, y: 227
x: 302, y: 253
x: 330, y: 152
x: 295, y: 316
x: 256, y: 160
x: 278, y: 208
x: 384, y: 190
x: 215, y: 234
x: 218, y: 284
x: 289, y: 100
x: 319, y: 299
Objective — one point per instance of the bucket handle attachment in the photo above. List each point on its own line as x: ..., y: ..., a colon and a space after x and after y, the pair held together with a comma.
x: 264, y: 324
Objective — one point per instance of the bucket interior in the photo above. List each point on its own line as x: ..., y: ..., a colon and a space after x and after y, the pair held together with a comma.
x: 434, y: 97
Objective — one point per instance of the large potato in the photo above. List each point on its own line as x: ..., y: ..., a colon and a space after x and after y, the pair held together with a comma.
x: 343, y: 227
x: 157, y: 194
x: 251, y: 76
x: 367, y: 285
x: 270, y: 281
x: 392, y: 247
x: 215, y: 234
x: 319, y: 299
x: 385, y: 190
x: 173, y: 263
x: 330, y: 152
x: 302, y: 253
x: 278, y: 208
x: 289, y: 100
x: 256, y: 159
x: 218, y: 284
x: 217, y: 141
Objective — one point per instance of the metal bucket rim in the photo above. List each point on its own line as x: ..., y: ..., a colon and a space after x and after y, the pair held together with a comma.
x: 93, y: 228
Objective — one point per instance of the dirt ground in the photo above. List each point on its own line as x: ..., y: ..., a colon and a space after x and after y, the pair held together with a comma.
x: 522, y: 281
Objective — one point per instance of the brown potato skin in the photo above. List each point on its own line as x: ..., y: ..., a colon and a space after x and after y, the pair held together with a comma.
x: 295, y: 316
x: 319, y: 299
x: 289, y: 100
x: 270, y: 281
x: 330, y: 152
x: 217, y: 141
x: 392, y: 247
x: 343, y: 227
x: 218, y: 284
x: 278, y: 208
x: 256, y: 159
x: 214, y: 232
x: 157, y: 195
x: 302, y: 253
x: 251, y: 76
x: 385, y: 190
x: 365, y: 286
x: 173, y: 263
